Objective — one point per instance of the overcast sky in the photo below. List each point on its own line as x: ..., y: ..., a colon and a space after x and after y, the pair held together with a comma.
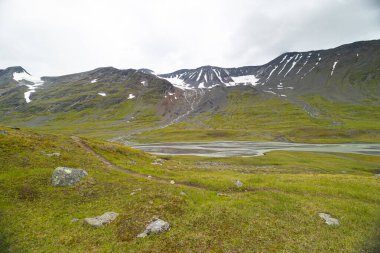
x: 55, y: 37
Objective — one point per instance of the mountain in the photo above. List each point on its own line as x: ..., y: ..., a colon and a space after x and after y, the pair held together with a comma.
x: 321, y: 96
x: 349, y: 72
x: 210, y: 77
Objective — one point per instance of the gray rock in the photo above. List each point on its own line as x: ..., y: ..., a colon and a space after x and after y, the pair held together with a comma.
x: 101, y: 220
x: 377, y: 175
x: 183, y: 193
x: 135, y: 191
x: 53, y: 154
x: 158, y: 162
x: 328, y: 219
x: 155, y: 227
x: 63, y: 176
x: 3, y: 132
x: 172, y: 182
x: 74, y: 220
x: 238, y: 183
x: 221, y: 194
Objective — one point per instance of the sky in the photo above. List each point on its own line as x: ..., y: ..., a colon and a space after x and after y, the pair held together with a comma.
x: 55, y: 37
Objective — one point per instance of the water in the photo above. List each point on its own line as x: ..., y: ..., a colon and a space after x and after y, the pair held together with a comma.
x: 247, y: 148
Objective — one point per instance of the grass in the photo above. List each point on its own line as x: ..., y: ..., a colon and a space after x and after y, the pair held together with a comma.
x: 275, y: 211
x: 249, y: 116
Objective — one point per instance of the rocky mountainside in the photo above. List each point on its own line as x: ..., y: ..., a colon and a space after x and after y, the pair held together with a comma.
x: 138, y: 100
x: 346, y: 73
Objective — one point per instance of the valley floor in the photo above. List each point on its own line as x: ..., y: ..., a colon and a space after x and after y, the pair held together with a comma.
x: 276, y: 209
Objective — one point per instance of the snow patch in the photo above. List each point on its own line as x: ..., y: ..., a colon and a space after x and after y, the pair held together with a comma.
x: 178, y: 82
x: 102, y: 94
x: 32, y: 87
x: 245, y: 80
x: 286, y: 63
x: 283, y: 59
x: 199, y: 76
x: 94, y: 81
x: 307, y: 59
x: 269, y: 91
x: 131, y: 96
x: 333, y: 68
x: 271, y: 72
x: 201, y: 85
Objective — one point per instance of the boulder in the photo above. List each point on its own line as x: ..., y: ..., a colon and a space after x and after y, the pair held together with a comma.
x: 155, y: 227
x: 101, y: 220
x: 377, y: 175
x: 63, y: 176
x: 328, y: 219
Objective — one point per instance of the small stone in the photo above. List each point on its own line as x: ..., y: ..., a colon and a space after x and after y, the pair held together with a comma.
x: 101, y: 220
x: 183, y: 193
x: 53, y: 154
x: 64, y: 176
x: 328, y: 219
x: 172, y: 182
x: 158, y: 162
x: 221, y: 194
x: 74, y: 220
x: 155, y: 227
x: 238, y: 183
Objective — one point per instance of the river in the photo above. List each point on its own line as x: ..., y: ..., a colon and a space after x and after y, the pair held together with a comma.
x: 248, y: 148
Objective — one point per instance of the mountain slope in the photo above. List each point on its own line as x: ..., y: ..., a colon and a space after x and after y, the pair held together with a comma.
x: 329, y: 95
x: 347, y: 73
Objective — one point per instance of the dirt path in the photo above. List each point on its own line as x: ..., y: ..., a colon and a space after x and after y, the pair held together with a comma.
x: 111, y: 165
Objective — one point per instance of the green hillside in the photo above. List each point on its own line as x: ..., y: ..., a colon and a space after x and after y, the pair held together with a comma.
x: 276, y: 210
x: 249, y: 116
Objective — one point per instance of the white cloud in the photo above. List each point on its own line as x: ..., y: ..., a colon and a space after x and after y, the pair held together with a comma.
x: 52, y: 37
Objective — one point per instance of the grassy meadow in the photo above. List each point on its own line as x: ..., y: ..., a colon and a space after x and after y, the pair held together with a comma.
x: 276, y: 210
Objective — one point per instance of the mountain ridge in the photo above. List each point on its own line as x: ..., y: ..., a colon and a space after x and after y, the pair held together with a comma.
x: 324, y: 88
